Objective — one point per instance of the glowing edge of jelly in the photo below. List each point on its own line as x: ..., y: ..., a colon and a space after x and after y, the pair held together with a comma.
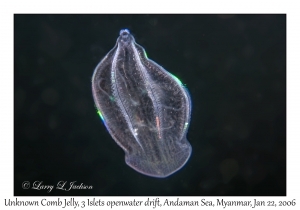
x: 99, y: 113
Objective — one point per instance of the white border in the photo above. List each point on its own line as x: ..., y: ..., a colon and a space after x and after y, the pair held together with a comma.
x: 8, y: 8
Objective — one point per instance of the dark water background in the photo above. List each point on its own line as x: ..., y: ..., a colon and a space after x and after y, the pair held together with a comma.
x: 233, y: 65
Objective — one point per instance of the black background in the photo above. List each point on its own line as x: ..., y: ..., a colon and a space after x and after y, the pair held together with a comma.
x: 233, y: 65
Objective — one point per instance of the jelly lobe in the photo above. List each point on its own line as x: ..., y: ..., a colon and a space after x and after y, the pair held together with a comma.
x: 145, y: 109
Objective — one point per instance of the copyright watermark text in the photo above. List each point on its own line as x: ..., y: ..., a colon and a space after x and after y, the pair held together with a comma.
x: 61, y: 185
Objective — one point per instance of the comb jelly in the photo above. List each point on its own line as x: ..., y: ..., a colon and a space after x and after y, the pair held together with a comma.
x: 145, y: 108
